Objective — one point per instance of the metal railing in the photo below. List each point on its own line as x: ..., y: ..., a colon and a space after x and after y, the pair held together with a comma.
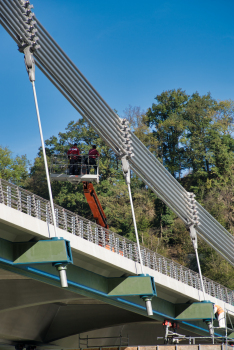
x: 117, y: 341
x: 74, y: 165
x: 33, y: 205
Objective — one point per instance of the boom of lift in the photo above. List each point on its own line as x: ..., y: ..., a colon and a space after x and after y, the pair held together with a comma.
x: 61, y: 170
x: 94, y: 204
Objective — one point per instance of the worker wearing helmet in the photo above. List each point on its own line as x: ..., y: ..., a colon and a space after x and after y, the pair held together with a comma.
x: 93, y: 154
x: 73, y: 156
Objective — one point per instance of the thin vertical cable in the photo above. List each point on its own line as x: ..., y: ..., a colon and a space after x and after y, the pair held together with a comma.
x: 45, y: 159
x: 200, y: 274
x: 135, y: 226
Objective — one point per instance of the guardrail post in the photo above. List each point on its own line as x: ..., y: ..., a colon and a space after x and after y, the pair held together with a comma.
x: 48, y: 213
x: 181, y: 274
x: 77, y: 225
x: 160, y: 264
x: 130, y: 251
x: 34, y: 205
x: 186, y: 277
x: 171, y: 269
x: 1, y: 193
x: 226, y: 295
x: 164, y: 266
x: 9, y: 196
x: 19, y: 206
x: 148, y: 259
x: 56, y: 217
x: 176, y: 274
x: 212, y: 289
x: 96, y: 235
x: 190, y: 278
x: 135, y: 252
x: 117, y: 245
x: 154, y: 262
x: 81, y: 228
x: 73, y: 222
x: 144, y: 257
x: 29, y: 209
x: 38, y: 206
x: 64, y: 220
x: 90, y: 235
x: 103, y: 238
x: 111, y: 240
x: 125, y: 253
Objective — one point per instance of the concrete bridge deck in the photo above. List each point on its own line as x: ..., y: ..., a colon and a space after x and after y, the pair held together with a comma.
x: 35, y: 308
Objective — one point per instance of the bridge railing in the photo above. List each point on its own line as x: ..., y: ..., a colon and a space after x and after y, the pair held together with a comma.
x: 33, y: 205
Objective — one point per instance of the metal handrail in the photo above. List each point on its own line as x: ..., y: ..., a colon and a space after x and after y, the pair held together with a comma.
x: 61, y: 163
x: 33, y: 205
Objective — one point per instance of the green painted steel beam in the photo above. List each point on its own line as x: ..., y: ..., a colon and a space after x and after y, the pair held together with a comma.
x: 40, y: 252
x: 197, y: 311
x: 132, y: 285
x: 91, y: 285
x: 231, y: 336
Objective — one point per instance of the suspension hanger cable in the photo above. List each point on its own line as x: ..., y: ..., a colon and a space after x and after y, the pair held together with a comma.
x: 30, y: 66
x: 126, y: 172
x: 135, y: 227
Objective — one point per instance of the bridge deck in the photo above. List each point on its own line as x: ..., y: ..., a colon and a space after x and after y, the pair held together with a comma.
x: 81, y: 232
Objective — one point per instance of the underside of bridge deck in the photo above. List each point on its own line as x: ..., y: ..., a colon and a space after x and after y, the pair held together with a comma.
x: 35, y: 312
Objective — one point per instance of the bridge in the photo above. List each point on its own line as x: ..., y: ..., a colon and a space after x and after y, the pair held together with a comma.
x: 34, y: 306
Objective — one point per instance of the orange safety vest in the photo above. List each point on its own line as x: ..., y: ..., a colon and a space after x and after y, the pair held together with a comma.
x: 219, y: 310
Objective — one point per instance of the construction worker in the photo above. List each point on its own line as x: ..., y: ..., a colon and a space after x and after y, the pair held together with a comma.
x: 73, y: 156
x: 219, y: 312
x: 93, y: 154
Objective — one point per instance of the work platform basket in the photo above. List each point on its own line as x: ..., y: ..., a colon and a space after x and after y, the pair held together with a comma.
x: 74, y: 168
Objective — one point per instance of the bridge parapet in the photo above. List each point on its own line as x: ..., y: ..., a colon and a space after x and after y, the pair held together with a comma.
x: 35, y: 206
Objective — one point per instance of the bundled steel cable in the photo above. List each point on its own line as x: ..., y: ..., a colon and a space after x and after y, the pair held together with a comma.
x: 67, y: 78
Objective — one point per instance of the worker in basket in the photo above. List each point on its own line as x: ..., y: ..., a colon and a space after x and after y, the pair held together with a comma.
x: 74, y: 158
x: 91, y: 161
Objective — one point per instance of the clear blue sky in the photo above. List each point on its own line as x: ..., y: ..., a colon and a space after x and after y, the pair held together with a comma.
x: 129, y: 50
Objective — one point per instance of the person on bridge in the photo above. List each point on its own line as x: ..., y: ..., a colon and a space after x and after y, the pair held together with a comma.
x: 73, y: 156
x: 219, y: 312
x: 93, y: 154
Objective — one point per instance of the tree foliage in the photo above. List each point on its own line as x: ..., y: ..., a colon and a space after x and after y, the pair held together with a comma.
x: 13, y: 169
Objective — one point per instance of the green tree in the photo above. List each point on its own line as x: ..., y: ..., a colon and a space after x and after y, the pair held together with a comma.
x: 13, y: 169
x: 138, y: 121
x: 199, y: 133
x: 166, y: 118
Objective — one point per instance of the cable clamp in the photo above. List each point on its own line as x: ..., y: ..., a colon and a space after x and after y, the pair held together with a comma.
x: 29, y: 63
x: 125, y: 137
x: 30, y: 31
x: 126, y: 169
